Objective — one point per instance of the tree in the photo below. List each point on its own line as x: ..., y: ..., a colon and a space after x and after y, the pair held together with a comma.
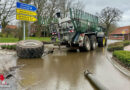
x: 109, y: 16
x: 64, y: 6
x: 42, y: 10
x: 25, y: 1
x: 113, y: 27
x: 7, y: 12
x: 78, y: 5
x: 48, y: 9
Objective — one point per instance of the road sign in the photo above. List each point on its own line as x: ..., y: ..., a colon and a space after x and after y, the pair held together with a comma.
x: 25, y: 18
x: 25, y: 12
x: 22, y: 11
x: 25, y: 6
x: 0, y: 28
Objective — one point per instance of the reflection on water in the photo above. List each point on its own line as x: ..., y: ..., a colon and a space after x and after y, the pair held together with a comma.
x: 31, y: 71
x: 60, y: 71
x: 64, y: 71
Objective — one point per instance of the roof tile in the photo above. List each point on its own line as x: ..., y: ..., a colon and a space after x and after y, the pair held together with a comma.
x: 125, y: 29
x: 11, y: 26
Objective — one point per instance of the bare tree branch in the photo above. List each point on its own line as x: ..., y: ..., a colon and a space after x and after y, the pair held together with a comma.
x: 109, y: 16
x: 6, y: 11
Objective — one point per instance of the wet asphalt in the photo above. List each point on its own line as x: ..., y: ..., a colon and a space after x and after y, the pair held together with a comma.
x: 64, y: 70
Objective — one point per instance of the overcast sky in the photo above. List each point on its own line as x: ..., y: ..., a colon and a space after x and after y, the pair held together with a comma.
x: 93, y: 6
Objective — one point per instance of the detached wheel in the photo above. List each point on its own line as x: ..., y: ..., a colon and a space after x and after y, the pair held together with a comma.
x: 29, y: 49
x: 93, y: 42
x: 102, y: 42
x: 87, y: 43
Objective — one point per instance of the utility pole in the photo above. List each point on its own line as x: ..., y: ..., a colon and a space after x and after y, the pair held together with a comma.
x: 29, y: 27
x: 24, y: 30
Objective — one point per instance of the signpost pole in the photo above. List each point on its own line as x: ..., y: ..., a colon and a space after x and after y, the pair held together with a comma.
x: 24, y: 30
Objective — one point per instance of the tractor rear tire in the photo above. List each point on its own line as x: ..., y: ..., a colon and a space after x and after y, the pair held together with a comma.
x: 29, y: 49
x: 93, y: 42
x: 87, y: 45
x: 102, y: 41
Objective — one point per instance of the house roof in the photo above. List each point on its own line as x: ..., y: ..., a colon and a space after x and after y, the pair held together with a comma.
x: 11, y: 27
x: 121, y: 30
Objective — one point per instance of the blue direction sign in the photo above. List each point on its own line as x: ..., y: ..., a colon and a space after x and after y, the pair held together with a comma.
x: 26, y: 6
x: 0, y: 28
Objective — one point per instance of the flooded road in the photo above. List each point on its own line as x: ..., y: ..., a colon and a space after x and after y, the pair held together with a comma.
x: 64, y: 70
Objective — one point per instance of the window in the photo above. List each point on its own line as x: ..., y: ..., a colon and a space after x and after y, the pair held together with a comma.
x: 117, y: 35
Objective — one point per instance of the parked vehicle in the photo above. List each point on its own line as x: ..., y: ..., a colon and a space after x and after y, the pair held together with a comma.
x: 81, y: 30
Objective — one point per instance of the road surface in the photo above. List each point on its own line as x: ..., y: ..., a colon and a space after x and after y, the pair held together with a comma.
x: 64, y: 70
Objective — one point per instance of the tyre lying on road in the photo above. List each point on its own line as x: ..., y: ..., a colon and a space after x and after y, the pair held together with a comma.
x: 29, y: 49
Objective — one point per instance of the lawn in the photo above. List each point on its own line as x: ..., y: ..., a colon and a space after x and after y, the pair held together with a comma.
x: 47, y: 39
x: 13, y: 40
x: 8, y: 40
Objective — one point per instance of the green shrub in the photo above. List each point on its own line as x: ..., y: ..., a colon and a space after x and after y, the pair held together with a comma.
x: 3, y: 46
x: 126, y: 43
x: 3, y: 35
x: 123, y: 56
x: 118, y: 45
x: 0, y: 34
x: 114, y: 47
x: 14, y: 47
x: 9, y: 47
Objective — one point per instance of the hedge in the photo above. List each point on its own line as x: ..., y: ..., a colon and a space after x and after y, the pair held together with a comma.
x: 118, y: 45
x: 115, y: 46
x: 10, y: 47
x: 123, y: 56
x: 126, y: 43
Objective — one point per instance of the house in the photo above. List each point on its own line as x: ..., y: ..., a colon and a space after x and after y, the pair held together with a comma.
x: 10, y: 30
x: 11, y: 27
x: 122, y: 33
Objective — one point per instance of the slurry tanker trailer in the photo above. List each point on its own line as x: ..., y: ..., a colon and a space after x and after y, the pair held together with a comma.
x: 80, y: 30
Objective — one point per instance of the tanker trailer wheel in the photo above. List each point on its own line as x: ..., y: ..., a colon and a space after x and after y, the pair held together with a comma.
x: 102, y: 41
x: 87, y: 43
x: 93, y: 42
x: 29, y: 49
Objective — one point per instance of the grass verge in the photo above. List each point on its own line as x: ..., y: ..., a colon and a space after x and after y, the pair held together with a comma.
x: 14, y: 40
x: 8, y: 40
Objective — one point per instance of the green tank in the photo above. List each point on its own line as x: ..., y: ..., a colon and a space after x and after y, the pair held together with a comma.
x: 83, y: 22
